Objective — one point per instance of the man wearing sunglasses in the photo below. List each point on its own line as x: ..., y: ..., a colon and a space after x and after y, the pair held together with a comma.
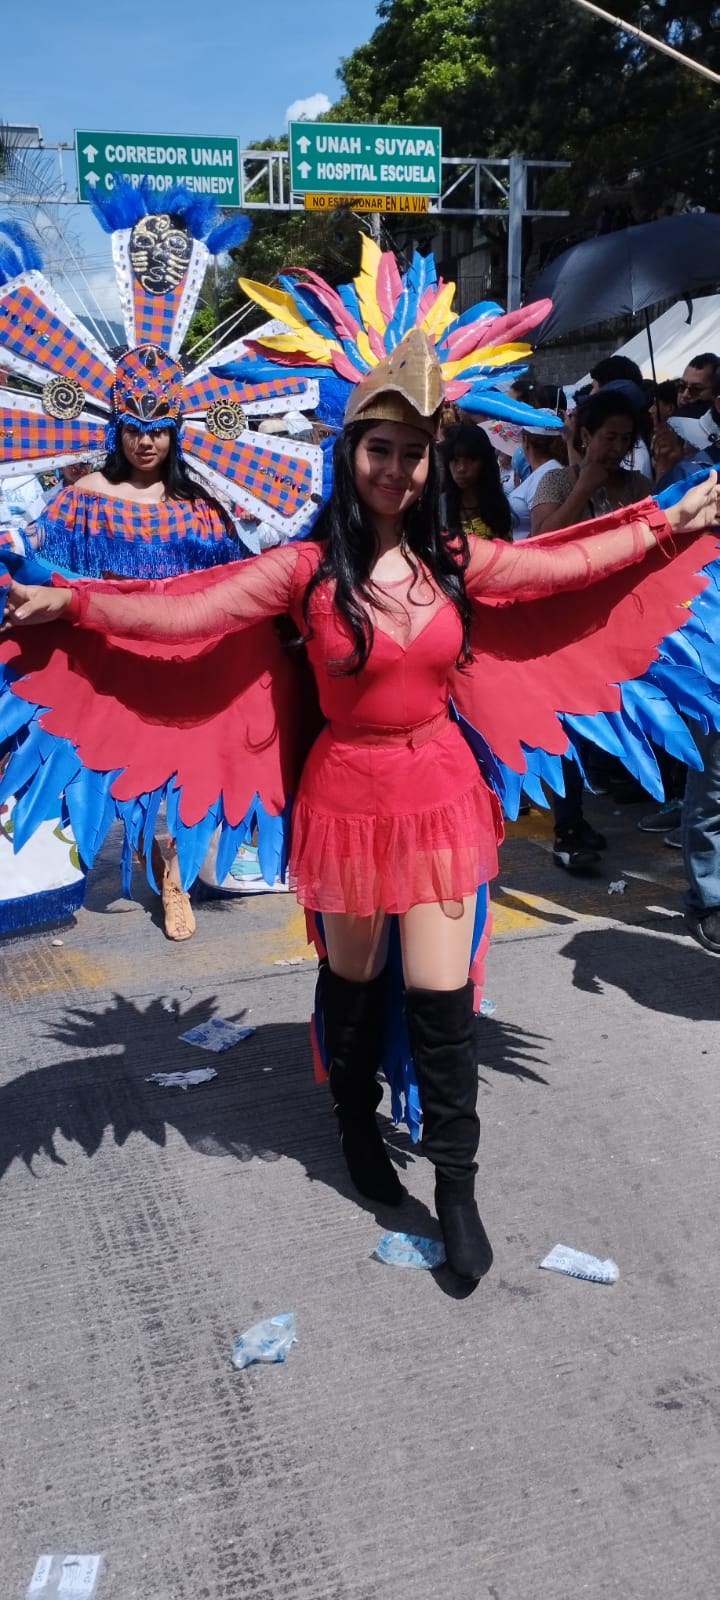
x: 696, y: 383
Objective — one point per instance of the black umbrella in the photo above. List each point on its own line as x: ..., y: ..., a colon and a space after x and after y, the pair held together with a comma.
x: 628, y: 271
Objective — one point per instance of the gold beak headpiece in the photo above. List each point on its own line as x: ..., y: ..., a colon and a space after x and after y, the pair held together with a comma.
x: 406, y: 386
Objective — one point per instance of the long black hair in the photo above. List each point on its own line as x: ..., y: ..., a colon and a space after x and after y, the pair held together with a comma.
x: 468, y: 440
x: 179, y: 485
x: 345, y: 529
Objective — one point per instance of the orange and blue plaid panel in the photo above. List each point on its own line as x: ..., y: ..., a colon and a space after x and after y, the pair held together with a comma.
x: 281, y: 481
x: 30, y: 330
x: 207, y: 388
x: 29, y: 436
x: 155, y: 314
x: 167, y: 522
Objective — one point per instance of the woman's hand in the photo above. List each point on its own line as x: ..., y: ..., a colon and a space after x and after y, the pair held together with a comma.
x: 699, y: 508
x: 30, y: 604
x: 592, y: 475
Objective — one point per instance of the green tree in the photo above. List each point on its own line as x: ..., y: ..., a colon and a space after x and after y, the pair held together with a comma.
x: 553, y: 82
x: 415, y: 65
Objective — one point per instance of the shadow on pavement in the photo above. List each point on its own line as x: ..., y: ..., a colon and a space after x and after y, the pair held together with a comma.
x: 660, y: 974
x: 263, y: 1105
x: 507, y: 1048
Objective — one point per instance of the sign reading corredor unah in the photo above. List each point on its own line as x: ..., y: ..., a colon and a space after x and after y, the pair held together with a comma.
x: 361, y: 158
x: 205, y: 166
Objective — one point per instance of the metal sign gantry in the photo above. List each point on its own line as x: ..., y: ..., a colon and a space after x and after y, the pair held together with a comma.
x: 468, y: 183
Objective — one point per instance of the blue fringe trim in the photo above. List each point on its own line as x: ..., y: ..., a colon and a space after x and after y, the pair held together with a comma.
x: 153, y: 425
x: 49, y: 905
x: 92, y: 554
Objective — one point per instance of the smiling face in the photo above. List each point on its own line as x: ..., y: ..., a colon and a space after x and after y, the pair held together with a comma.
x: 390, y: 468
x: 145, y: 451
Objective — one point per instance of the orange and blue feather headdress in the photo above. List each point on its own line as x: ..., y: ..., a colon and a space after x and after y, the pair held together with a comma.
x: 161, y: 247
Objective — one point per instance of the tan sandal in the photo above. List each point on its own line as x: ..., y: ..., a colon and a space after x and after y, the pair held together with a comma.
x: 179, y: 920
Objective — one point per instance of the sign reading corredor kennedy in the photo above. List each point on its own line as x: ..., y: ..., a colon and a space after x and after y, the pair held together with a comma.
x: 361, y: 158
x: 205, y: 166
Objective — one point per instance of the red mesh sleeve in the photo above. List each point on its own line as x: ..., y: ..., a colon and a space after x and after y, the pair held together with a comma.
x: 571, y: 558
x: 196, y: 606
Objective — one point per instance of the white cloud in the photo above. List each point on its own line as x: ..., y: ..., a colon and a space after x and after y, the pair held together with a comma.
x: 95, y: 294
x: 307, y: 110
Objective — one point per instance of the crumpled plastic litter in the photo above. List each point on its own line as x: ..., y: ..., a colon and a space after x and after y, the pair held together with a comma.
x: 72, y: 1577
x: 265, y: 1341
x: 487, y: 1008
x: 617, y: 887
x: 408, y: 1250
x: 576, y: 1264
x: 182, y: 1080
x: 216, y: 1034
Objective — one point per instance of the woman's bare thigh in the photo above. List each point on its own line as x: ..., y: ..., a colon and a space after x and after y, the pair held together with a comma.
x: 356, y: 946
x: 436, y: 941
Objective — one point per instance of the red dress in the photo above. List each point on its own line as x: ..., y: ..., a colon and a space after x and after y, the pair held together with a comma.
x: 391, y: 809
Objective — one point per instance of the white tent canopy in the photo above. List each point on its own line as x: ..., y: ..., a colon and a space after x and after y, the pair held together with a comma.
x: 676, y: 337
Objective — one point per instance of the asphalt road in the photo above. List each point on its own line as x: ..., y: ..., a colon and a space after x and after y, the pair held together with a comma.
x: 538, y: 1439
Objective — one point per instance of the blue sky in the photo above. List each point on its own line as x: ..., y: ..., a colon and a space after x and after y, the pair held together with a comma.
x: 172, y: 66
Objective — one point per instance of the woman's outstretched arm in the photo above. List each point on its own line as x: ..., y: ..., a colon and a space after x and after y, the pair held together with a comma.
x: 580, y: 556
x: 177, y: 609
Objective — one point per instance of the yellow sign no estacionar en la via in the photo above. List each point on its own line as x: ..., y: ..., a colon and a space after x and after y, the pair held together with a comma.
x: 393, y: 204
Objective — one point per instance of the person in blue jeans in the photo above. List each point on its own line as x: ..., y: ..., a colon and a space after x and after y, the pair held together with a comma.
x: 701, y: 844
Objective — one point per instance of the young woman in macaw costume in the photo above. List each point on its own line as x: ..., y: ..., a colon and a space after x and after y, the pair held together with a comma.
x: 391, y: 816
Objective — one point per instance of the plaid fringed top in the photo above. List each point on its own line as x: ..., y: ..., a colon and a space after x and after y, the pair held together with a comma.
x: 92, y: 533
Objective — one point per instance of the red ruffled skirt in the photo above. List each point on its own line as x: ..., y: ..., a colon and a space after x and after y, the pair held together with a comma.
x: 391, y: 823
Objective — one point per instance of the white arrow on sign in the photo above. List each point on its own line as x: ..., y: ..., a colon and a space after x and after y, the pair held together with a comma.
x: 304, y: 169
x: 90, y: 151
x: 303, y: 144
x: 93, y: 178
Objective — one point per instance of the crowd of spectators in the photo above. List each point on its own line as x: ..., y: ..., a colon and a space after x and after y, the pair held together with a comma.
x: 623, y: 437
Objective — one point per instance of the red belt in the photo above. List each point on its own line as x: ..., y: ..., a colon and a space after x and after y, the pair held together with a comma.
x: 372, y: 733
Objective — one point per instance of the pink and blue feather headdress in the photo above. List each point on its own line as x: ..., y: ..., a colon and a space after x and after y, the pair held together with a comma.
x: 339, y: 335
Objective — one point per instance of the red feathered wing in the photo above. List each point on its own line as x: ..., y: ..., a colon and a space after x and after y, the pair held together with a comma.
x: 534, y: 659
x: 231, y: 716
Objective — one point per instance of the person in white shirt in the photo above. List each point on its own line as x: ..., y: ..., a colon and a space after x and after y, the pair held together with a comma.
x: 544, y: 451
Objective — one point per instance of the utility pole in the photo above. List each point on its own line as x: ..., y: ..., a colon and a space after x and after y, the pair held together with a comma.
x: 517, y: 206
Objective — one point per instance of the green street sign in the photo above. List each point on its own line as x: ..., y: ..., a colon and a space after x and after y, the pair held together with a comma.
x: 206, y: 166
x: 361, y: 158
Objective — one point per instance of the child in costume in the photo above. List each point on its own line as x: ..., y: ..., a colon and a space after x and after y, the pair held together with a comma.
x: 391, y: 813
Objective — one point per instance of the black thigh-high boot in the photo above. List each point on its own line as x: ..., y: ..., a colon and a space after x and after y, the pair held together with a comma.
x: 442, y: 1036
x: 353, y: 1015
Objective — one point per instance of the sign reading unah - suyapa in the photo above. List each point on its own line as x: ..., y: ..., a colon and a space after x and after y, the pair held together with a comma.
x: 392, y: 204
x: 206, y: 166
x: 362, y: 158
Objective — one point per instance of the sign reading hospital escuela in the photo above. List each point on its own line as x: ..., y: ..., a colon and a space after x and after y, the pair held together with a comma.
x: 361, y: 158
x: 205, y: 166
